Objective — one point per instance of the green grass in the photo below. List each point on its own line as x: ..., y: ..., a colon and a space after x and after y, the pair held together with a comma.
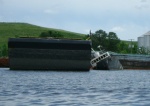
x: 13, y: 30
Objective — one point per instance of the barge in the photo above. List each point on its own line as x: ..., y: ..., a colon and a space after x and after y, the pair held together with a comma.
x: 135, y: 64
x: 135, y: 61
x: 129, y: 61
x: 49, y: 54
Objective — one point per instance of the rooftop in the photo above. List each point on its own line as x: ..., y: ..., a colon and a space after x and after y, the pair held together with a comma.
x: 148, y: 33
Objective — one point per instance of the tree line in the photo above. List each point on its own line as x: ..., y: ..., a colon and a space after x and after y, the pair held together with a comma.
x: 107, y: 41
x: 111, y: 42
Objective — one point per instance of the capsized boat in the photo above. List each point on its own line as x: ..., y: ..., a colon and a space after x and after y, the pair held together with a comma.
x: 99, y: 60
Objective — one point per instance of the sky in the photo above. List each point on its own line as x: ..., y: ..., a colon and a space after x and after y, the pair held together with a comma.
x: 129, y: 19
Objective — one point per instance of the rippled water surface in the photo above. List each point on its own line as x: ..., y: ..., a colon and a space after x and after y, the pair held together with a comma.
x: 94, y: 88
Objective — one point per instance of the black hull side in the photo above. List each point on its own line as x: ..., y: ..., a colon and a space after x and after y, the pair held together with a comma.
x: 49, y: 54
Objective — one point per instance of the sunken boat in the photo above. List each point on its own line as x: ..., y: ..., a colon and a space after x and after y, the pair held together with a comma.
x: 49, y: 54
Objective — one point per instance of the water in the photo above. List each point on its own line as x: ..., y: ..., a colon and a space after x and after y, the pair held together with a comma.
x: 94, y: 88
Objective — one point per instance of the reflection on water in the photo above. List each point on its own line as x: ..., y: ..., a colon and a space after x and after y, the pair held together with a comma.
x: 94, y: 88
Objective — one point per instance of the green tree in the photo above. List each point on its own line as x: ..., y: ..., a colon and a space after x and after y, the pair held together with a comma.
x: 99, y: 38
x: 50, y: 33
x: 4, y: 50
x: 142, y: 50
x: 102, y: 37
x: 135, y: 48
x: 123, y: 47
x: 44, y: 34
x: 108, y: 41
x: 113, y: 42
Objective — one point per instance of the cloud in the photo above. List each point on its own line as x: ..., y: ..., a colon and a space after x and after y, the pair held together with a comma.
x: 81, y: 15
x: 117, y: 29
x: 50, y: 11
x: 143, y: 0
x: 142, y: 6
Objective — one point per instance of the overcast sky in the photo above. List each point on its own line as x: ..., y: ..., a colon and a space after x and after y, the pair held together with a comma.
x: 128, y: 18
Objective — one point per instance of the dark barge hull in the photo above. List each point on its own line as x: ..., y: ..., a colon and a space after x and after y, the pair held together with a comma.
x: 135, y: 64
x: 49, y: 54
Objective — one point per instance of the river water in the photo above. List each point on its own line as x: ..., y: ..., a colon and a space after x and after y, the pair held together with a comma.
x: 93, y: 88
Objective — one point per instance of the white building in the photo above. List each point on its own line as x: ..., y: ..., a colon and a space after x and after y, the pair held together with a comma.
x: 141, y: 41
x: 144, y: 41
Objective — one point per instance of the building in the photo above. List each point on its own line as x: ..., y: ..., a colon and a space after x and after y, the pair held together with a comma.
x: 141, y: 41
x: 144, y: 41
